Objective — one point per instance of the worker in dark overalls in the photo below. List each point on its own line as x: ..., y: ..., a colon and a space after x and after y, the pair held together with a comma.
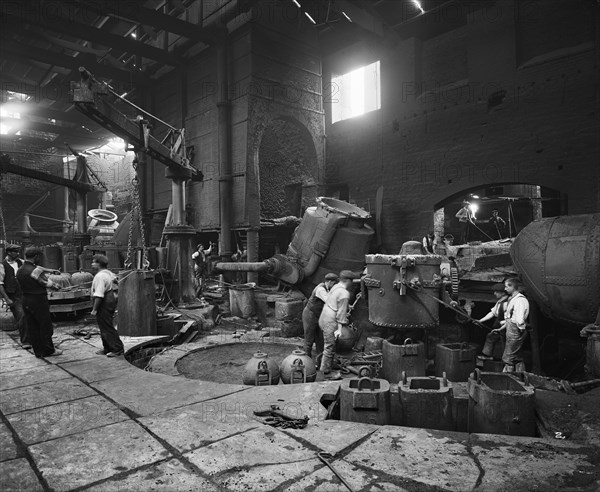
x: 105, y: 304
x: 11, y: 292
x: 312, y: 311
x: 497, y: 314
x: 33, y: 280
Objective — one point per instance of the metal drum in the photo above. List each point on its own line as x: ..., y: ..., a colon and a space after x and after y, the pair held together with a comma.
x: 365, y: 400
x: 408, y: 358
x: 392, y: 303
x: 456, y: 360
x: 501, y: 404
x: 137, y: 304
x: 559, y: 261
x: 426, y: 402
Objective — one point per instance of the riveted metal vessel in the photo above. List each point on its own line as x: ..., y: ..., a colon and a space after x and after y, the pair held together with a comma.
x: 392, y: 303
x: 559, y: 261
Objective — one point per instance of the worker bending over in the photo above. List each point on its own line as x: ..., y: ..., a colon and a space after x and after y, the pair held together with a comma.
x: 312, y: 312
x: 497, y: 314
x: 33, y: 280
x: 333, y: 317
x: 105, y: 304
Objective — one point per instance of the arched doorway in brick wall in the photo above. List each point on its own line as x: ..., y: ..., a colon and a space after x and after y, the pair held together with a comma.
x: 287, y: 168
x: 517, y: 204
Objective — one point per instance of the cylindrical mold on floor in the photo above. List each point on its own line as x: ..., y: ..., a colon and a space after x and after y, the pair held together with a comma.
x: 408, y: 357
x: 426, y: 402
x: 499, y: 403
x: 365, y: 400
x: 457, y: 360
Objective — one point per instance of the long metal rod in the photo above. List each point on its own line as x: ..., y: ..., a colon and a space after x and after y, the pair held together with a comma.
x: 462, y: 313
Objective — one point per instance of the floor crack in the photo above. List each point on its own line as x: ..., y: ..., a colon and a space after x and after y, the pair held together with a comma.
x: 469, y: 447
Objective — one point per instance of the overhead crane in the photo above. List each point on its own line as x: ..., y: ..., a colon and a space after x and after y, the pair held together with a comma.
x: 91, y: 97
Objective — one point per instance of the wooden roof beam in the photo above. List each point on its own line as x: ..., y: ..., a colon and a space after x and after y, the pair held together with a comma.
x: 21, y: 53
x: 91, y: 33
x: 149, y: 17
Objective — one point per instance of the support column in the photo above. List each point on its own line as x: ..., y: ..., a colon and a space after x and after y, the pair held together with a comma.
x: 252, y: 251
x: 179, y: 244
x: 224, y: 135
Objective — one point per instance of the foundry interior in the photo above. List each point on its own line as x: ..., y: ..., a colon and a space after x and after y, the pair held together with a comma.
x: 369, y: 230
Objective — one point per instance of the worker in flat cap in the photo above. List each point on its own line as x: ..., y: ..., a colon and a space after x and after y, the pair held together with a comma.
x: 312, y: 312
x: 11, y: 292
x: 497, y: 314
x: 333, y: 317
x: 34, y: 282
x: 105, y: 304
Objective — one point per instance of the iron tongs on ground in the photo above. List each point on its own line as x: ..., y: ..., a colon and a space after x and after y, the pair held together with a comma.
x: 325, y: 458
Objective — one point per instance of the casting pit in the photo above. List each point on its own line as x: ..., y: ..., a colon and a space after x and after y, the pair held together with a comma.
x: 225, y: 363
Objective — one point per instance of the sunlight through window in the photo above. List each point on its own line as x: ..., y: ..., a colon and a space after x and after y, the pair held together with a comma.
x: 355, y: 93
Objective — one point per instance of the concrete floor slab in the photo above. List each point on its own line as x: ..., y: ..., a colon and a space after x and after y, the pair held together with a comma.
x: 194, y: 426
x: 98, y: 368
x: 262, y: 446
x: 547, y: 465
x: 146, y: 393
x: 17, y: 476
x: 8, y: 447
x: 295, y: 400
x: 267, y: 477
x: 332, y: 436
x: 63, y: 419
x: 410, y: 457
x: 10, y: 352
x: 159, y: 477
x: 31, y: 375
x: 73, y: 349
x: 97, y: 454
x: 42, y: 394
x: 324, y: 480
x: 23, y: 361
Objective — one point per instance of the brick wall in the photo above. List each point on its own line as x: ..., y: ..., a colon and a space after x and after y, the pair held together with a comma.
x: 439, y: 133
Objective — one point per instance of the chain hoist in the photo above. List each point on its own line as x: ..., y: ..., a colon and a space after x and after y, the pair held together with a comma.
x: 2, y: 212
x: 136, y: 220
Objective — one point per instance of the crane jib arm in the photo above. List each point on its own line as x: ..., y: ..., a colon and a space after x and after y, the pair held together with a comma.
x: 87, y: 99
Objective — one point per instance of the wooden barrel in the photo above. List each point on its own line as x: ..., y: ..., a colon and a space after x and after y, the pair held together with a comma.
x: 137, y: 303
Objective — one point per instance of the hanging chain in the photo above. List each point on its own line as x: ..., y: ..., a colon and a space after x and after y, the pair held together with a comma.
x: 2, y: 213
x: 136, y: 220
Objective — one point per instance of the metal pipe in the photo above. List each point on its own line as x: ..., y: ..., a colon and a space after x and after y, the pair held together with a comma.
x: 261, y: 266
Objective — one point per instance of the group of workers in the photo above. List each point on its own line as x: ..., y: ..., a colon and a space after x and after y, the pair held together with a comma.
x: 325, y: 314
x: 510, y: 315
x: 24, y: 287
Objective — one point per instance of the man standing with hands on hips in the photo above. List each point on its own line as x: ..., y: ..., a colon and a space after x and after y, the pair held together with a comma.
x: 105, y: 304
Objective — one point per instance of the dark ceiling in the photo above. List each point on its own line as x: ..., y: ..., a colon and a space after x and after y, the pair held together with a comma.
x: 129, y: 43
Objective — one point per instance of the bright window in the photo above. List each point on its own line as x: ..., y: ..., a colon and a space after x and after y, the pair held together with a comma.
x: 355, y: 93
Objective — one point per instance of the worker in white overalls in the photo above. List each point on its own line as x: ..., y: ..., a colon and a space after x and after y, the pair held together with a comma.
x: 333, y: 317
